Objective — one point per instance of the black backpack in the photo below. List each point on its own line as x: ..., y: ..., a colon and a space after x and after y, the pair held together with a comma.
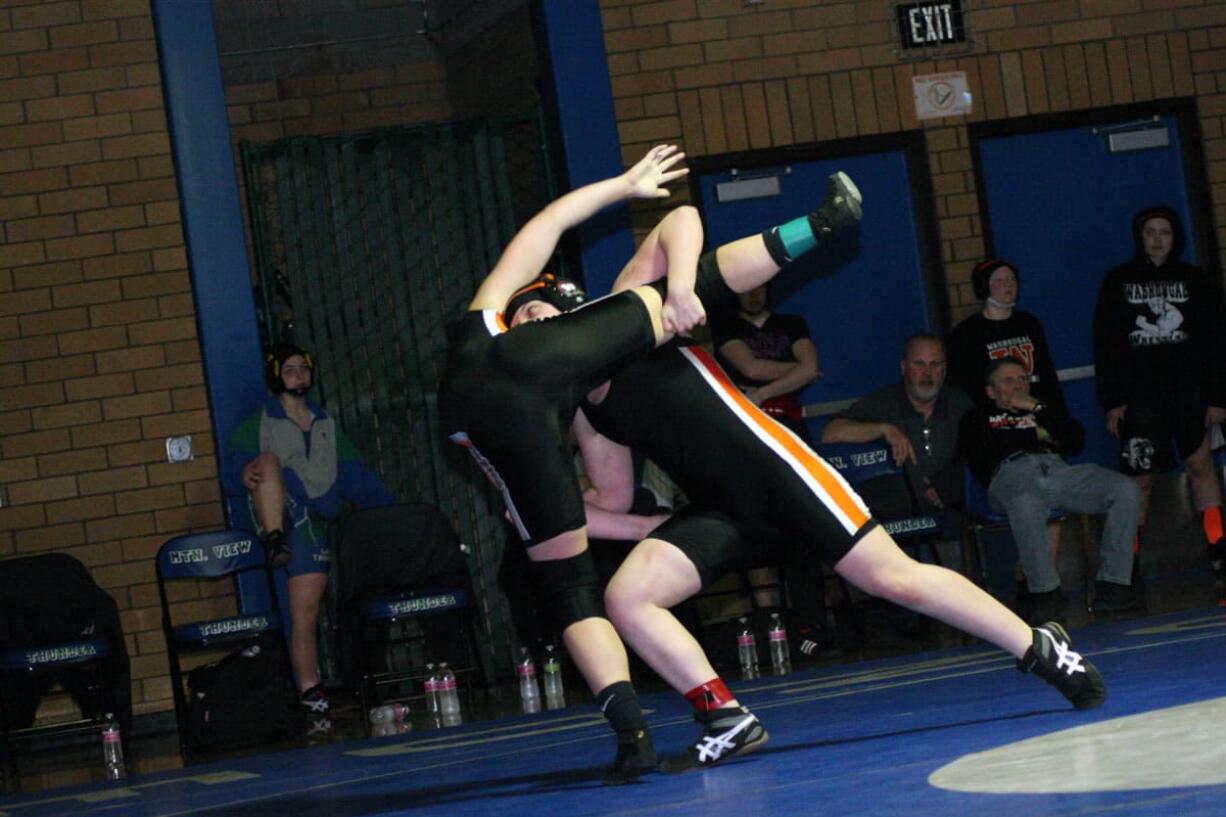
x: 246, y: 698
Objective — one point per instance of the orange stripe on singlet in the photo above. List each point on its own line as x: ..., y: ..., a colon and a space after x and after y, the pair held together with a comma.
x: 803, y: 456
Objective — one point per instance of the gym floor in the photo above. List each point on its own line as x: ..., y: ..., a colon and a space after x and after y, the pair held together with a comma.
x: 915, y: 719
x: 945, y: 731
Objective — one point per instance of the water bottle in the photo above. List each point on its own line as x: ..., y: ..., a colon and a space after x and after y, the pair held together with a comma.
x: 781, y: 657
x: 388, y: 713
x: 529, y: 692
x: 430, y: 687
x: 555, y: 696
x: 448, y: 697
x: 747, y: 649
x: 383, y: 730
x: 112, y: 749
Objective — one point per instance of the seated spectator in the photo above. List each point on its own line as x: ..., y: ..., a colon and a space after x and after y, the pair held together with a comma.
x: 1160, y: 367
x: 770, y: 356
x: 297, y: 467
x: 1016, y: 447
x: 918, y: 418
x: 998, y: 331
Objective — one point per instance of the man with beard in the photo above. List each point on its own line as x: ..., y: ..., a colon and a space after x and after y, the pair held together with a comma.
x: 918, y: 418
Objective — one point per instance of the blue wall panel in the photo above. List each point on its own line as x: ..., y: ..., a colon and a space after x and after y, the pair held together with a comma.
x: 864, y: 294
x: 580, y: 74
x: 1060, y: 207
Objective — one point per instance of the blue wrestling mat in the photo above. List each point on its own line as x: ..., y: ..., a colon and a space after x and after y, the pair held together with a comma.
x: 938, y: 733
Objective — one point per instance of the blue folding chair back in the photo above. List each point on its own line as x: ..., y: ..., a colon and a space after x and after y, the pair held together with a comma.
x: 57, y: 627
x: 860, y: 462
x: 405, y: 598
x: 982, y: 518
x: 211, y: 556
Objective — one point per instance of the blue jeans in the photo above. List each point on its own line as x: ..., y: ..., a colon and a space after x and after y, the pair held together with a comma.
x: 1030, y: 487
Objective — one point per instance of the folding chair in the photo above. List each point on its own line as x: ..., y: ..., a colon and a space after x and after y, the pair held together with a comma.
x: 981, y: 518
x: 860, y: 462
x: 56, y: 625
x: 405, y: 600
x: 211, y: 557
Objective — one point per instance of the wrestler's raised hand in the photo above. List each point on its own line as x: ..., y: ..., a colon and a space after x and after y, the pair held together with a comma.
x: 682, y: 312
x: 649, y: 175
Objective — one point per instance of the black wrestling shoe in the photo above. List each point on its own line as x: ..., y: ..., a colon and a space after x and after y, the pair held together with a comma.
x: 636, y: 756
x: 840, y: 209
x: 726, y: 733
x: 1051, y: 657
x: 316, y: 708
x: 275, y: 547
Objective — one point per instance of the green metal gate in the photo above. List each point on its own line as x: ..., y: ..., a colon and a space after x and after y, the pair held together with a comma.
x: 365, y: 247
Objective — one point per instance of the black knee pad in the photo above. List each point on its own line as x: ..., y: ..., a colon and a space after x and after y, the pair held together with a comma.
x: 720, y: 302
x: 573, y: 588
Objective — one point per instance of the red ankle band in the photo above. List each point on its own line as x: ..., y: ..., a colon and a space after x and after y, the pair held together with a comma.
x: 1211, y: 518
x: 711, y: 695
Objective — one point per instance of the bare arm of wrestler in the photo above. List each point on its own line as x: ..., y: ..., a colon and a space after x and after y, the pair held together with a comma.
x: 671, y: 248
x: 533, y: 245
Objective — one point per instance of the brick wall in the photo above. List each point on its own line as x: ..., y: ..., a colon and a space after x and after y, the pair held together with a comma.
x: 99, y: 360
x: 720, y: 75
x: 98, y: 354
x: 338, y: 103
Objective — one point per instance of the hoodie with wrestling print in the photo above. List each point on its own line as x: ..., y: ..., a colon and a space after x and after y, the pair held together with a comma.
x: 1159, y: 329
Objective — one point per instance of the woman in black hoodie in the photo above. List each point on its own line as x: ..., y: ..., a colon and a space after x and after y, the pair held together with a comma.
x: 1160, y: 364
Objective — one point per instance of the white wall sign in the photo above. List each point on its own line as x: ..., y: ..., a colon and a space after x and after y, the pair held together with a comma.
x: 938, y: 95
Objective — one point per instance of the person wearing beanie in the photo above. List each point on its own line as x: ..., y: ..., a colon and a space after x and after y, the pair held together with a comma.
x: 1160, y: 367
x: 997, y: 331
x: 297, y: 467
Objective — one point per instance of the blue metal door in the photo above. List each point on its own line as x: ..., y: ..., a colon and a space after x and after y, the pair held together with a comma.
x: 1059, y: 203
x: 862, y: 295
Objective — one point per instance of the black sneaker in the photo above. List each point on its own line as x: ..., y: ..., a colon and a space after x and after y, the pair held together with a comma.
x: 636, y: 756
x: 1051, y: 657
x: 726, y: 733
x: 812, y: 642
x: 1116, y: 598
x: 840, y: 209
x: 1217, y: 554
x: 316, y: 708
x: 275, y: 547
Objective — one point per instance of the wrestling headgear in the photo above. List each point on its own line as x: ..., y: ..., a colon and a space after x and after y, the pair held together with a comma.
x: 562, y: 293
x: 275, y: 359
x: 983, y: 271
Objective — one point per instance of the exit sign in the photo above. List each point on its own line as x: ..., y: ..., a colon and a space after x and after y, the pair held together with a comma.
x: 928, y: 25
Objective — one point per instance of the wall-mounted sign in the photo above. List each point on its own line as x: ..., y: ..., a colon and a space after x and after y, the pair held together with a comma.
x: 927, y: 25
x: 938, y: 95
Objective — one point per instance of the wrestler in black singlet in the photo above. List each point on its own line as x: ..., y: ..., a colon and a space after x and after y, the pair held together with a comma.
x: 680, y: 409
x: 510, y: 397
